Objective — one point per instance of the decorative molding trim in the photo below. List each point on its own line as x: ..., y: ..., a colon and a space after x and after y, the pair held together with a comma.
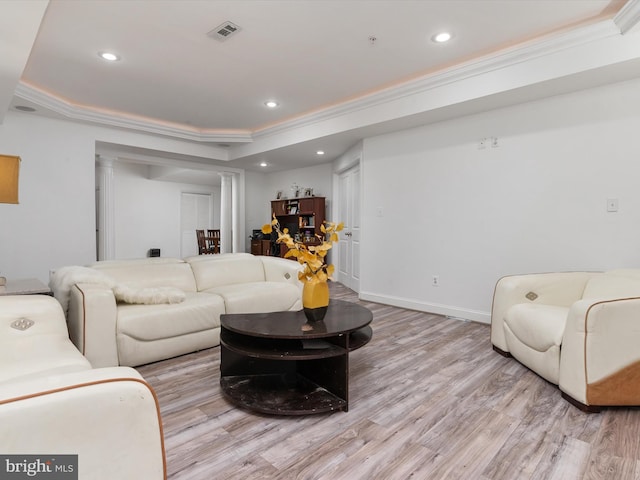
x: 116, y: 119
x: 427, y: 307
x: 483, y: 65
x: 457, y: 73
x: 628, y: 16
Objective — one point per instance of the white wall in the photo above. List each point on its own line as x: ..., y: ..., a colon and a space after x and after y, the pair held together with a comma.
x: 257, y: 197
x: 348, y: 159
x: 261, y: 189
x: 318, y: 177
x: 536, y: 203
x: 147, y: 212
x: 54, y: 223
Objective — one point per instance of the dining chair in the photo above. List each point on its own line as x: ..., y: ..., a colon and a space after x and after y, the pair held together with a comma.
x: 213, y: 240
x: 202, y: 243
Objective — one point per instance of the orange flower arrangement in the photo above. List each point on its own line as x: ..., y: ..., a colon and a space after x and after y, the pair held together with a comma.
x: 311, y: 257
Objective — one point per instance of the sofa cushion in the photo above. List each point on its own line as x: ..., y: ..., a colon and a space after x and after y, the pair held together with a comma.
x: 41, y: 350
x: 620, y: 284
x: 540, y: 327
x: 39, y: 357
x: 211, y: 271
x: 258, y: 297
x: 199, y: 311
x: 150, y: 273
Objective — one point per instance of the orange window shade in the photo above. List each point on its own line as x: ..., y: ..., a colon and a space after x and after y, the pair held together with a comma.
x: 9, y: 170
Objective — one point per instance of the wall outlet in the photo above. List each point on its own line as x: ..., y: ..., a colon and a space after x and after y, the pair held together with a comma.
x: 435, y: 281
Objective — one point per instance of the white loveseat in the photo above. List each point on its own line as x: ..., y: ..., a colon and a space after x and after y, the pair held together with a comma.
x: 52, y: 402
x: 113, y: 333
x: 578, y: 330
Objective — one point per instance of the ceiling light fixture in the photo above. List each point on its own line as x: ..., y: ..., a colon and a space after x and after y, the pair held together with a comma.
x: 110, y: 57
x: 442, y: 37
x: 271, y: 103
x: 320, y: 152
x: 263, y: 164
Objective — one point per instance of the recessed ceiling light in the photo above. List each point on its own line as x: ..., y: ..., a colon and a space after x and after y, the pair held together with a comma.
x: 320, y: 152
x: 111, y: 57
x: 442, y: 37
x: 263, y: 164
x: 271, y: 103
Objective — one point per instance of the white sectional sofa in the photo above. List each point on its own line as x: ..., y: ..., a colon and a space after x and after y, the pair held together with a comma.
x: 578, y: 330
x: 112, y: 333
x: 52, y: 402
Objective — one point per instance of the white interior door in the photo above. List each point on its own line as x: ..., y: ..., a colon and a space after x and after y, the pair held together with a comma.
x: 196, y: 213
x: 349, y: 214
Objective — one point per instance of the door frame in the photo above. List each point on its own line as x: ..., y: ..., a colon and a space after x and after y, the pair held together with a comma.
x: 355, y: 160
x: 211, y: 220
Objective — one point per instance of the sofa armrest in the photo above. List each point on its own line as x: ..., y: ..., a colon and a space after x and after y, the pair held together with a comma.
x: 43, y: 309
x: 91, y: 321
x: 278, y: 269
x: 109, y: 417
x: 561, y: 289
x: 600, y: 360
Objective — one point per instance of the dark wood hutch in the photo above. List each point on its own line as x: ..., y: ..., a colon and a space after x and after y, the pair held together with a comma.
x: 302, y: 216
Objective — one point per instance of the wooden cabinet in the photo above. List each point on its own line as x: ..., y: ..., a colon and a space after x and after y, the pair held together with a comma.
x: 280, y: 207
x: 302, y: 216
x: 260, y: 247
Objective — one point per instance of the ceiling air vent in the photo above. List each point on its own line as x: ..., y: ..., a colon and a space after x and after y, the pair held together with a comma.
x: 224, y: 31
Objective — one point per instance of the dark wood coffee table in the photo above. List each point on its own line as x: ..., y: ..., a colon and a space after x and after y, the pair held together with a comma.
x: 270, y: 365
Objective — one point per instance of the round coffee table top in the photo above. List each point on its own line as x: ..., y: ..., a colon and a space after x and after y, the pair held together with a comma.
x: 341, y: 317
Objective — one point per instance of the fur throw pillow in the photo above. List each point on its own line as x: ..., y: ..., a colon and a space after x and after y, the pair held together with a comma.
x: 149, y: 295
x: 64, y: 278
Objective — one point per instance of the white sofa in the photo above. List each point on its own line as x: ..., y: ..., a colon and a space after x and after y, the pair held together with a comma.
x: 113, y: 333
x: 578, y: 330
x: 52, y: 402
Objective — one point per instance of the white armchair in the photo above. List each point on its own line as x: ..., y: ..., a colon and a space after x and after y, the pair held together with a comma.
x: 53, y: 402
x: 578, y: 330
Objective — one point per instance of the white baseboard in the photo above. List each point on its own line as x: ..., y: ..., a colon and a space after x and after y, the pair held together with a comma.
x: 447, y: 310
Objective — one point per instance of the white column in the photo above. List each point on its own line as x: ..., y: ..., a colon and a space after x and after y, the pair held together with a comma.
x: 226, y: 206
x: 106, y: 209
x: 235, y: 213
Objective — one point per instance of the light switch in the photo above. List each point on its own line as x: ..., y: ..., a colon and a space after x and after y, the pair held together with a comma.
x: 612, y: 204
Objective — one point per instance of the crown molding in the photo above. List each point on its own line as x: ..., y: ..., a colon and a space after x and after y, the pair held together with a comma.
x: 628, y: 17
x: 489, y: 63
x: 117, y: 119
x: 483, y: 65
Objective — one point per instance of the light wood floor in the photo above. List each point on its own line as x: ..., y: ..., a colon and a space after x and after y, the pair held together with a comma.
x: 429, y: 399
